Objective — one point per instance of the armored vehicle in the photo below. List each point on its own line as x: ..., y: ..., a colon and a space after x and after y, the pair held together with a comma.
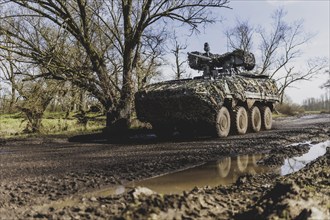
x: 227, y: 98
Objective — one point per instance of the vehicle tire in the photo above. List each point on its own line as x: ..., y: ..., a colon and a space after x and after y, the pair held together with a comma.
x: 223, y: 122
x: 241, y: 120
x: 255, y: 119
x: 267, y: 118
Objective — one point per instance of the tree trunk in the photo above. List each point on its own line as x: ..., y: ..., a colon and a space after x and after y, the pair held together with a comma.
x: 125, y: 107
x: 126, y: 96
x: 12, y: 99
x: 13, y: 90
x: 82, y: 101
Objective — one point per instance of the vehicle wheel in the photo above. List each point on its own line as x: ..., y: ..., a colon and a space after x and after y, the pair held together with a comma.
x: 267, y: 118
x: 255, y: 119
x: 241, y: 120
x: 223, y: 122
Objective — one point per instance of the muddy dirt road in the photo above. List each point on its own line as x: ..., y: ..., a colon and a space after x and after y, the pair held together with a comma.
x: 255, y: 176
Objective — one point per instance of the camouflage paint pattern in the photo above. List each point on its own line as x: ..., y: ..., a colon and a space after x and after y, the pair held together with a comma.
x: 237, y: 58
x: 192, y: 101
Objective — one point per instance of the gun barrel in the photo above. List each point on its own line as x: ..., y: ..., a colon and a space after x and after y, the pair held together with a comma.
x: 200, y: 56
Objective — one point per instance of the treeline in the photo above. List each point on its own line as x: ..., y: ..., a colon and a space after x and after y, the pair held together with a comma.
x: 67, y: 99
x: 322, y: 103
x: 317, y: 104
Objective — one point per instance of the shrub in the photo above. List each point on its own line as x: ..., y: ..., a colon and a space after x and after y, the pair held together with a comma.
x: 290, y: 109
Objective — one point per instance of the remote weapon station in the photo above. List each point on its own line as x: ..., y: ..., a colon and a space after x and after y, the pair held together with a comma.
x: 226, y: 99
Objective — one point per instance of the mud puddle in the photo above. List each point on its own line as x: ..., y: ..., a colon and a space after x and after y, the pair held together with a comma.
x: 222, y: 172
x: 296, y: 163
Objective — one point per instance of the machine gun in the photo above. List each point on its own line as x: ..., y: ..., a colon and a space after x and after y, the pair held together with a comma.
x: 215, y: 64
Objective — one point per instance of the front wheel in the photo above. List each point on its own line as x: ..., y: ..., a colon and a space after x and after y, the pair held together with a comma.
x: 267, y: 118
x: 223, y: 122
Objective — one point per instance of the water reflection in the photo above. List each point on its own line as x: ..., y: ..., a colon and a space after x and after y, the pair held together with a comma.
x: 296, y: 163
x: 222, y: 172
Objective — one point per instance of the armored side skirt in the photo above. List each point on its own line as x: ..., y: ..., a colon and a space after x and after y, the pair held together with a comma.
x: 173, y: 108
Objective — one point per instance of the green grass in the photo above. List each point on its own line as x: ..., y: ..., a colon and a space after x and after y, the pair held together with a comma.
x: 281, y: 115
x: 52, y: 124
x: 312, y: 112
x: 11, y: 126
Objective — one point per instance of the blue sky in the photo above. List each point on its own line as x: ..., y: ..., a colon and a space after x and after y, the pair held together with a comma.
x: 316, y: 20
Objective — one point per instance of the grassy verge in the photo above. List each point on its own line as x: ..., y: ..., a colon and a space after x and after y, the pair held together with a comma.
x: 60, y: 124
x: 53, y: 124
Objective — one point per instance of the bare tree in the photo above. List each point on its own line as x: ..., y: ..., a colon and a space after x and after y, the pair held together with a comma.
x: 326, y: 85
x: 241, y: 36
x: 36, y: 97
x: 150, y: 58
x: 177, y: 51
x: 8, y: 76
x: 291, y: 76
x: 33, y: 96
x: 282, y: 48
x: 280, y: 45
x: 272, y: 42
x: 283, y: 44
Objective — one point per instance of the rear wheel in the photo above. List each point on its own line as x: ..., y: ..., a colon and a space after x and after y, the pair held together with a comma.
x: 223, y: 122
x: 241, y: 120
x: 267, y: 118
x: 255, y: 119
